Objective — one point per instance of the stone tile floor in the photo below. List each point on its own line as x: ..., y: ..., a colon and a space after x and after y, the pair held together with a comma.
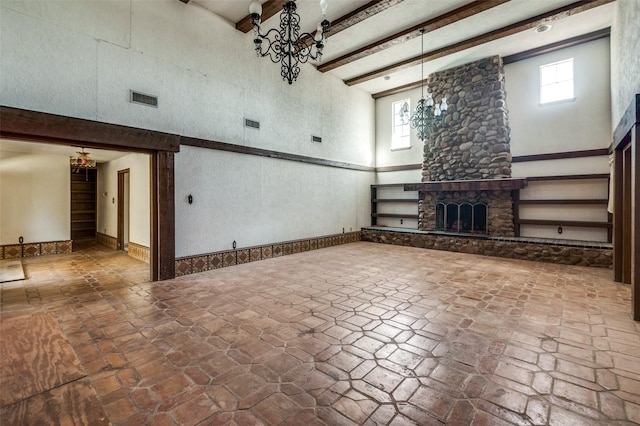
x: 361, y: 333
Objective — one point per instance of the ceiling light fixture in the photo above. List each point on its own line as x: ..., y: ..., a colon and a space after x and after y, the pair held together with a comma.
x: 542, y: 28
x: 82, y: 161
x: 426, y: 116
x: 287, y: 45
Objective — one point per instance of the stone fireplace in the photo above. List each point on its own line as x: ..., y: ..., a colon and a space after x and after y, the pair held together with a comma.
x: 466, y: 171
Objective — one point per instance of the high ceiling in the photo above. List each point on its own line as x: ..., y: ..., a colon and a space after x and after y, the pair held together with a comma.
x: 376, y: 45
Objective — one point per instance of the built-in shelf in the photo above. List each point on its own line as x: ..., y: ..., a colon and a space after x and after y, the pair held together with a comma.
x: 83, y: 204
x: 585, y: 224
x: 396, y: 215
x: 586, y: 201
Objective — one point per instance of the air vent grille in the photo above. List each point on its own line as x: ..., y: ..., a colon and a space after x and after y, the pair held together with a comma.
x: 144, y: 99
x: 316, y: 139
x: 251, y: 123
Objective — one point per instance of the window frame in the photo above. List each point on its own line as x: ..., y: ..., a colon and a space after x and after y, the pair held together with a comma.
x: 560, y: 83
x: 405, y: 127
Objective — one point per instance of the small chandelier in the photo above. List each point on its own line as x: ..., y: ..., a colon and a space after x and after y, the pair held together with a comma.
x: 287, y: 45
x: 82, y: 161
x: 426, y: 116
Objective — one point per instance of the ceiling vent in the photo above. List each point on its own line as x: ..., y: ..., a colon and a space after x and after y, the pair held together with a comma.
x: 143, y: 99
x: 316, y: 139
x: 251, y: 123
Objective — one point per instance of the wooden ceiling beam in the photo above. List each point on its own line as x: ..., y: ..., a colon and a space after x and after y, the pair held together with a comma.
x: 525, y: 25
x: 360, y: 14
x: 574, y: 41
x: 269, y: 9
x: 455, y: 15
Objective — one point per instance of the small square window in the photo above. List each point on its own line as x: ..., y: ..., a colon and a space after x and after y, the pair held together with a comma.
x: 400, y: 129
x: 556, y: 81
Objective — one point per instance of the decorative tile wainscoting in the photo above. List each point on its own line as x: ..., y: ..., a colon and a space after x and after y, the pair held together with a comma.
x: 565, y: 252
x: 139, y: 252
x: 16, y: 251
x: 107, y: 240
x: 205, y: 262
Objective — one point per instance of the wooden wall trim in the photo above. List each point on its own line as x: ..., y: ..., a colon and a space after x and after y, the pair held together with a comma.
x: 563, y: 44
x: 240, y: 149
x: 561, y: 155
x: 58, y: 129
x: 398, y: 168
x: 569, y: 177
x: 630, y: 118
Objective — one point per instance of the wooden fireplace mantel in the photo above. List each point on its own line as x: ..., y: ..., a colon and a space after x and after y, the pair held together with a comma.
x: 468, y: 185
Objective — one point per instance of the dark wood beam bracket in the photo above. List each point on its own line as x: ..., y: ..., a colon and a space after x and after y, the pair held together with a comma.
x: 527, y: 24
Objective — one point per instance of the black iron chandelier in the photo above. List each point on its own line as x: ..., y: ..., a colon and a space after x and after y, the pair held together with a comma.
x: 426, y: 115
x: 288, y: 45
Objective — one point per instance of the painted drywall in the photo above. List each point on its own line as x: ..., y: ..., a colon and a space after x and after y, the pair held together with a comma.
x: 204, y: 91
x: 256, y: 200
x: 139, y: 199
x: 625, y: 57
x: 81, y: 59
x: 34, y: 197
x: 581, y: 124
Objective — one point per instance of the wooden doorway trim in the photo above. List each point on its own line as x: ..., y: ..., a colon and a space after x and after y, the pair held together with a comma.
x: 626, y: 241
x: 33, y: 126
x: 123, y: 192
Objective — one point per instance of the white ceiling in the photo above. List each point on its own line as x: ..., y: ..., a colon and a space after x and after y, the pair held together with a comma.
x: 409, y: 13
x: 100, y: 155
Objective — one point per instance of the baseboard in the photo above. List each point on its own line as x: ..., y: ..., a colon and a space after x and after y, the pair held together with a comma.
x: 139, y: 252
x: 208, y: 261
x: 17, y: 251
x: 107, y: 240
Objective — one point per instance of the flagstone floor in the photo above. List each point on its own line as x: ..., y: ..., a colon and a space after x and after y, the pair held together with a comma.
x: 358, y: 334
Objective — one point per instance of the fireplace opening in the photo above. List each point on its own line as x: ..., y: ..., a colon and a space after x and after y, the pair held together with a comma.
x: 461, y: 218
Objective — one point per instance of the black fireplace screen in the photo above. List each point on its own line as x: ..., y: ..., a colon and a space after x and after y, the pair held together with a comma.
x: 462, y: 218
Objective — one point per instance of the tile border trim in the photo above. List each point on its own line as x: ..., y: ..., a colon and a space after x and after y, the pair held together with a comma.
x: 208, y: 261
x: 44, y: 248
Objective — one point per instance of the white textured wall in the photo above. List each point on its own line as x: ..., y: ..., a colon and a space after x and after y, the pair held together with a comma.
x: 256, y: 200
x: 565, y: 126
x: 625, y: 57
x: 34, y: 197
x: 384, y: 155
x: 80, y: 58
x: 139, y: 197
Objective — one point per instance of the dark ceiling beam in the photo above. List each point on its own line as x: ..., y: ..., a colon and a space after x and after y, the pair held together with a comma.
x: 527, y: 24
x: 269, y: 9
x: 360, y: 14
x: 460, y: 13
x: 355, y: 17
x: 574, y: 41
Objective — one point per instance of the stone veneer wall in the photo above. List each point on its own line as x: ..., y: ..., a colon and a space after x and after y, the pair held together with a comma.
x: 473, y: 141
x: 563, y: 252
x: 499, y: 209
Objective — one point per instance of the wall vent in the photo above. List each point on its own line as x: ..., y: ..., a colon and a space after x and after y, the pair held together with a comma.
x: 143, y: 99
x: 316, y: 139
x: 251, y: 123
